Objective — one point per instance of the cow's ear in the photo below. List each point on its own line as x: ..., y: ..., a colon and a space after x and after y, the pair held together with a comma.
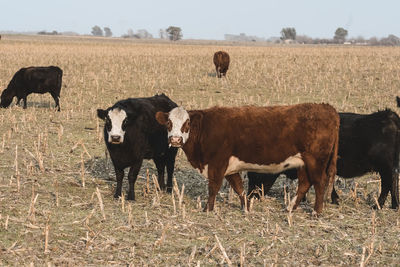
x: 398, y: 101
x: 102, y: 114
x: 162, y: 117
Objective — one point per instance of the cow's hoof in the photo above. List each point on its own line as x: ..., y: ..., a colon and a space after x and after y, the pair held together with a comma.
x: 315, y: 214
x: 116, y: 196
x: 130, y: 197
x: 376, y: 207
x: 169, y: 190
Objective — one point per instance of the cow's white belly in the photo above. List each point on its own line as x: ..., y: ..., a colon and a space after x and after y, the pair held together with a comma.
x: 204, y: 172
x: 236, y: 165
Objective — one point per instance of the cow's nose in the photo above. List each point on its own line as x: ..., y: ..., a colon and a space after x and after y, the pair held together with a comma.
x: 115, y: 138
x: 176, y: 140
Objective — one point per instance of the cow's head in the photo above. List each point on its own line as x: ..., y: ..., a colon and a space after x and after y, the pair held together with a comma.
x: 177, y: 122
x: 6, y: 98
x: 116, y: 120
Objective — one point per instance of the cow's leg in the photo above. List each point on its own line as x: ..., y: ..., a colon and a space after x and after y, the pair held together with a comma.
x: 215, y: 179
x: 171, y: 154
x: 218, y: 72
x: 56, y: 98
x: 119, y: 173
x: 386, y: 185
x: 160, y: 164
x: 320, y: 186
x: 237, y: 185
x: 334, y: 196
x: 132, y: 176
x: 395, y: 189
x: 25, y: 101
x: 18, y: 100
x: 256, y: 180
x: 317, y: 175
x: 302, y: 189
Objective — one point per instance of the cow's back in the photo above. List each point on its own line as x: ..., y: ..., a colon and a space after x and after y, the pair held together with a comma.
x: 42, y: 79
x: 162, y: 103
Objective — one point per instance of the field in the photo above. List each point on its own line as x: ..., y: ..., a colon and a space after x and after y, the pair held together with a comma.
x: 57, y: 184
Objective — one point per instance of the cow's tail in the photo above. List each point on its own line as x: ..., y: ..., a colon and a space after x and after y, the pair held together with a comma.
x: 396, y: 166
x: 59, y: 81
x: 331, y: 166
x: 220, y: 60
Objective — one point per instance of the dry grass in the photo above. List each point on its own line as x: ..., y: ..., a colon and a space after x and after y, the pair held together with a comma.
x: 56, y: 184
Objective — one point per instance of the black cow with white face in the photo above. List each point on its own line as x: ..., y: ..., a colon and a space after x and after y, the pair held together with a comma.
x: 131, y: 134
x: 367, y: 143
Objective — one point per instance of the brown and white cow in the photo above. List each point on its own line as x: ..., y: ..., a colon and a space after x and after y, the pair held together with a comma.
x: 222, y: 141
x: 221, y: 61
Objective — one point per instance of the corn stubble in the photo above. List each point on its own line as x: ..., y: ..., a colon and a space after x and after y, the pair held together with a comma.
x: 56, y: 184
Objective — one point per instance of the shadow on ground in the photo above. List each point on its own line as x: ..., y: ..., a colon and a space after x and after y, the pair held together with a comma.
x: 102, y: 168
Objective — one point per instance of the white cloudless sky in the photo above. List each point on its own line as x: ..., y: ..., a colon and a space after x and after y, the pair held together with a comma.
x: 205, y: 19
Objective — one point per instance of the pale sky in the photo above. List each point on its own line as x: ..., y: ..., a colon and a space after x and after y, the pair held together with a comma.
x: 205, y: 19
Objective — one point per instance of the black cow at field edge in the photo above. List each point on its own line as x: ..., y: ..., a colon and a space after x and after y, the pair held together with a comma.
x: 33, y: 80
x: 132, y: 134
x: 367, y: 143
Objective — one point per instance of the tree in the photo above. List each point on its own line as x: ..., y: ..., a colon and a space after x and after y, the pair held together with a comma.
x: 107, y: 32
x: 97, y: 31
x: 143, y: 34
x: 288, y: 33
x: 390, y: 40
x: 174, y: 33
x: 340, y: 35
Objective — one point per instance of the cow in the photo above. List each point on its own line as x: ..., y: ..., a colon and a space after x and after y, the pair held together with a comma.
x: 131, y: 134
x: 221, y: 62
x: 33, y: 80
x: 222, y: 141
x: 367, y: 143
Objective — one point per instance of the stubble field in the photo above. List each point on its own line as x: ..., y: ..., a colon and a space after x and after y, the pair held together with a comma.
x: 57, y: 184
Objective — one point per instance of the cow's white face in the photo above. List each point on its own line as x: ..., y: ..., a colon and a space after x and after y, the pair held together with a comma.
x: 178, y: 125
x: 116, y: 122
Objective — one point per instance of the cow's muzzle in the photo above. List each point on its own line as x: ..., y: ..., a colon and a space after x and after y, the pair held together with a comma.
x: 115, y: 139
x: 175, y: 141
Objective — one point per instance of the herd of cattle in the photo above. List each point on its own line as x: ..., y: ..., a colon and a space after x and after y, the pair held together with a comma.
x: 311, y: 142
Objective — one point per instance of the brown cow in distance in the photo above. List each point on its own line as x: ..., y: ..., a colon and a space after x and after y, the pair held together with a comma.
x: 221, y: 141
x: 221, y: 62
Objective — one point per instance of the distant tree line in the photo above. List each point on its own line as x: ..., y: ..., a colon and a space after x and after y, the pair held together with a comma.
x: 288, y: 35
x: 97, y: 31
x: 140, y: 34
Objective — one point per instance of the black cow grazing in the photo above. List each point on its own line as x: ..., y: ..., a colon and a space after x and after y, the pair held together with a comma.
x: 367, y: 143
x: 221, y: 62
x: 33, y: 80
x: 132, y: 134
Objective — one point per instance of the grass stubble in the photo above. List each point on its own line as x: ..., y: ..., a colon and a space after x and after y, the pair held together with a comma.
x: 57, y: 182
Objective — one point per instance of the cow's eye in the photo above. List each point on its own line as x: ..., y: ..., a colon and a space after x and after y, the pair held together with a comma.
x: 169, y: 125
x: 124, y: 123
